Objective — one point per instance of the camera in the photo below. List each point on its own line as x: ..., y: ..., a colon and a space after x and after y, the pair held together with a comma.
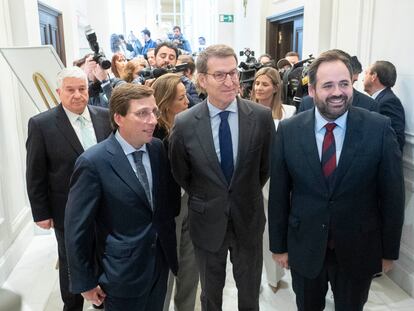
x: 153, y: 73
x: 98, y: 56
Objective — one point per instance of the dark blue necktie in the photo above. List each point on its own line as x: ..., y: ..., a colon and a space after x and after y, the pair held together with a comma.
x: 226, y: 146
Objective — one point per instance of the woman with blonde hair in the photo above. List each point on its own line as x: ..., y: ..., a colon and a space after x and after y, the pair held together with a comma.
x: 170, y: 95
x: 267, y: 91
x: 132, y: 70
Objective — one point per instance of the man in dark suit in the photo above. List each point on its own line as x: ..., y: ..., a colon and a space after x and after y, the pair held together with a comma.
x: 359, y: 99
x: 55, y: 139
x: 378, y: 81
x: 336, y: 200
x: 119, y: 196
x: 219, y: 152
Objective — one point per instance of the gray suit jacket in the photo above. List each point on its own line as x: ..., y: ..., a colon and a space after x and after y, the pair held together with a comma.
x: 195, y: 166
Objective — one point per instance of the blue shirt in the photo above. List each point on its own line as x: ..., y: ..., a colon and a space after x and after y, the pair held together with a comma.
x: 233, y: 120
x: 339, y: 132
x: 128, y: 150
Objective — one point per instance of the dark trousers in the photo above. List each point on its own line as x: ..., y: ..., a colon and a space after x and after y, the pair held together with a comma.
x: 349, y: 294
x: 154, y: 300
x: 247, y: 269
x: 72, y: 302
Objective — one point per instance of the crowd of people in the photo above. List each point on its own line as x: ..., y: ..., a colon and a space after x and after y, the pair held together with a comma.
x: 152, y: 177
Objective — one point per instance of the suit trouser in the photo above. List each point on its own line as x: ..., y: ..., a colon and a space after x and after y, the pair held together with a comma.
x: 247, y: 263
x: 186, y: 282
x: 154, y: 300
x: 72, y: 302
x: 349, y: 294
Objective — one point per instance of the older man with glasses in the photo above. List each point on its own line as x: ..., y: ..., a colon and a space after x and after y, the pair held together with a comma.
x: 219, y: 152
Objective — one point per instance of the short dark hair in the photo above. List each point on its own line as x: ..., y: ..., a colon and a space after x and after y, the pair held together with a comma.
x: 121, y: 97
x: 356, y: 65
x: 328, y: 56
x: 168, y: 45
x: 292, y: 53
x: 146, y: 32
x: 386, y: 72
x: 177, y: 27
x: 216, y: 50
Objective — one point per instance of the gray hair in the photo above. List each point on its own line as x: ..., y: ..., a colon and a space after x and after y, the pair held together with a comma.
x: 70, y: 72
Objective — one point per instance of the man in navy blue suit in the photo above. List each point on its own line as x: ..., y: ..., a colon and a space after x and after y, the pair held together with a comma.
x: 120, y: 197
x: 336, y: 199
x: 378, y: 81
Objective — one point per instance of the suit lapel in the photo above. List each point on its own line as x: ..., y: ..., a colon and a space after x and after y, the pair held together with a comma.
x: 246, y: 130
x: 352, y: 142
x: 154, y: 160
x: 310, y: 149
x: 98, y: 121
x: 123, y: 169
x: 65, y: 127
x: 203, y: 131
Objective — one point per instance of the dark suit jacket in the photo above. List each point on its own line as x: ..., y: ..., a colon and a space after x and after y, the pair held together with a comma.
x: 52, y: 149
x: 364, y: 209
x: 360, y: 100
x: 390, y: 106
x: 195, y: 166
x: 106, y: 196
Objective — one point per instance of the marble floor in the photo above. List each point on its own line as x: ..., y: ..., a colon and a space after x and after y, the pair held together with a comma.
x: 36, y: 280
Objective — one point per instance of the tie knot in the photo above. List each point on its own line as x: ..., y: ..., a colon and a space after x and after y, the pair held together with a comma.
x: 82, y: 120
x: 224, y: 115
x: 137, y: 155
x: 330, y: 127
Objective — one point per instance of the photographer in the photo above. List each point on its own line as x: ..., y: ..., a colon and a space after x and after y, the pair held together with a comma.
x: 166, y: 55
x: 179, y: 41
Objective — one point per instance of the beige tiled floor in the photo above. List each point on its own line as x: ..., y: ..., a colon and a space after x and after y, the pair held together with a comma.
x: 37, y: 281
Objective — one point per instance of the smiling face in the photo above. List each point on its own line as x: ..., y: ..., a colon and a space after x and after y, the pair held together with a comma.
x: 138, y: 125
x: 180, y: 102
x: 332, y: 92
x: 264, y: 90
x: 74, y: 94
x: 221, y: 94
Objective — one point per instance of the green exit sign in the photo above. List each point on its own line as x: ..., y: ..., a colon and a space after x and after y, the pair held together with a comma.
x: 226, y: 18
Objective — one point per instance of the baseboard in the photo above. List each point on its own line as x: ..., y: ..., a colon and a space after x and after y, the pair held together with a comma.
x: 13, y: 254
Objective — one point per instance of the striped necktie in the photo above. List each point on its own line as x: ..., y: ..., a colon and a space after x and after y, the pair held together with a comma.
x: 329, y: 153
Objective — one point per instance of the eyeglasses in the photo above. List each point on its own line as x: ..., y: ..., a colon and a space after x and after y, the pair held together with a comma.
x: 221, y: 76
x: 145, y: 115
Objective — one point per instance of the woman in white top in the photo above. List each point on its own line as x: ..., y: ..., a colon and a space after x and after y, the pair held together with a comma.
x: 267, y: 90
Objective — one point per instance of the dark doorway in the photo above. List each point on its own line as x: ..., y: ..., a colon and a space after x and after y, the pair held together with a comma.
x: 51, y: 29
x: 284, y: 33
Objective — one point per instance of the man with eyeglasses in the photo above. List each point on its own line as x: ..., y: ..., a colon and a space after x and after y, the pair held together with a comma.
x: 120, y: 194
x: 219, y: 152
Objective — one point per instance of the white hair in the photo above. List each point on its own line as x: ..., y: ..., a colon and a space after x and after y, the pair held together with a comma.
x: 71, y: 72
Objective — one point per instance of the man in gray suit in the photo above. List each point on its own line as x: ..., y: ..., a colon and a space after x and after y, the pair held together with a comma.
x: 219, y: 151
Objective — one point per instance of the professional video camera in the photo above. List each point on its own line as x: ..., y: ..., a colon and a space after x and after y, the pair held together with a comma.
x: 98, y: 56
x: 295, y: 80
x: 153, y: 73
x: 248, y: 70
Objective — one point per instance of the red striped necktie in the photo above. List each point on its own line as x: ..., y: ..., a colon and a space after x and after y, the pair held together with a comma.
x: 329, y: 152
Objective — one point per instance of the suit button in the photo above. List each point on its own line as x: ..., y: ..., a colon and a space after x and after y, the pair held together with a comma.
x: 323, y: 226
x: 331, y: 201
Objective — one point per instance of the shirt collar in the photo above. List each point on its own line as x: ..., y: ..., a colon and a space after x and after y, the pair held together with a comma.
x: 377, y: 93
x: 213, y: 110
x: 74, y: 116
x: 127, y: 147
x: 320, y: 122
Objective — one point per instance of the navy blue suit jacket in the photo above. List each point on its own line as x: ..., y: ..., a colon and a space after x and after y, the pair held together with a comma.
x: 107, y: 201
x: 364, y: 209
x: 390, y: 106
x: 360, y: 100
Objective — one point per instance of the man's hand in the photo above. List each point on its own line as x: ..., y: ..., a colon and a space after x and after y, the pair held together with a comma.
x: 387, y: 265
x: 281, y: 259
x: 46, y: 224
x: 95, y: 295
x: 100, y: 74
